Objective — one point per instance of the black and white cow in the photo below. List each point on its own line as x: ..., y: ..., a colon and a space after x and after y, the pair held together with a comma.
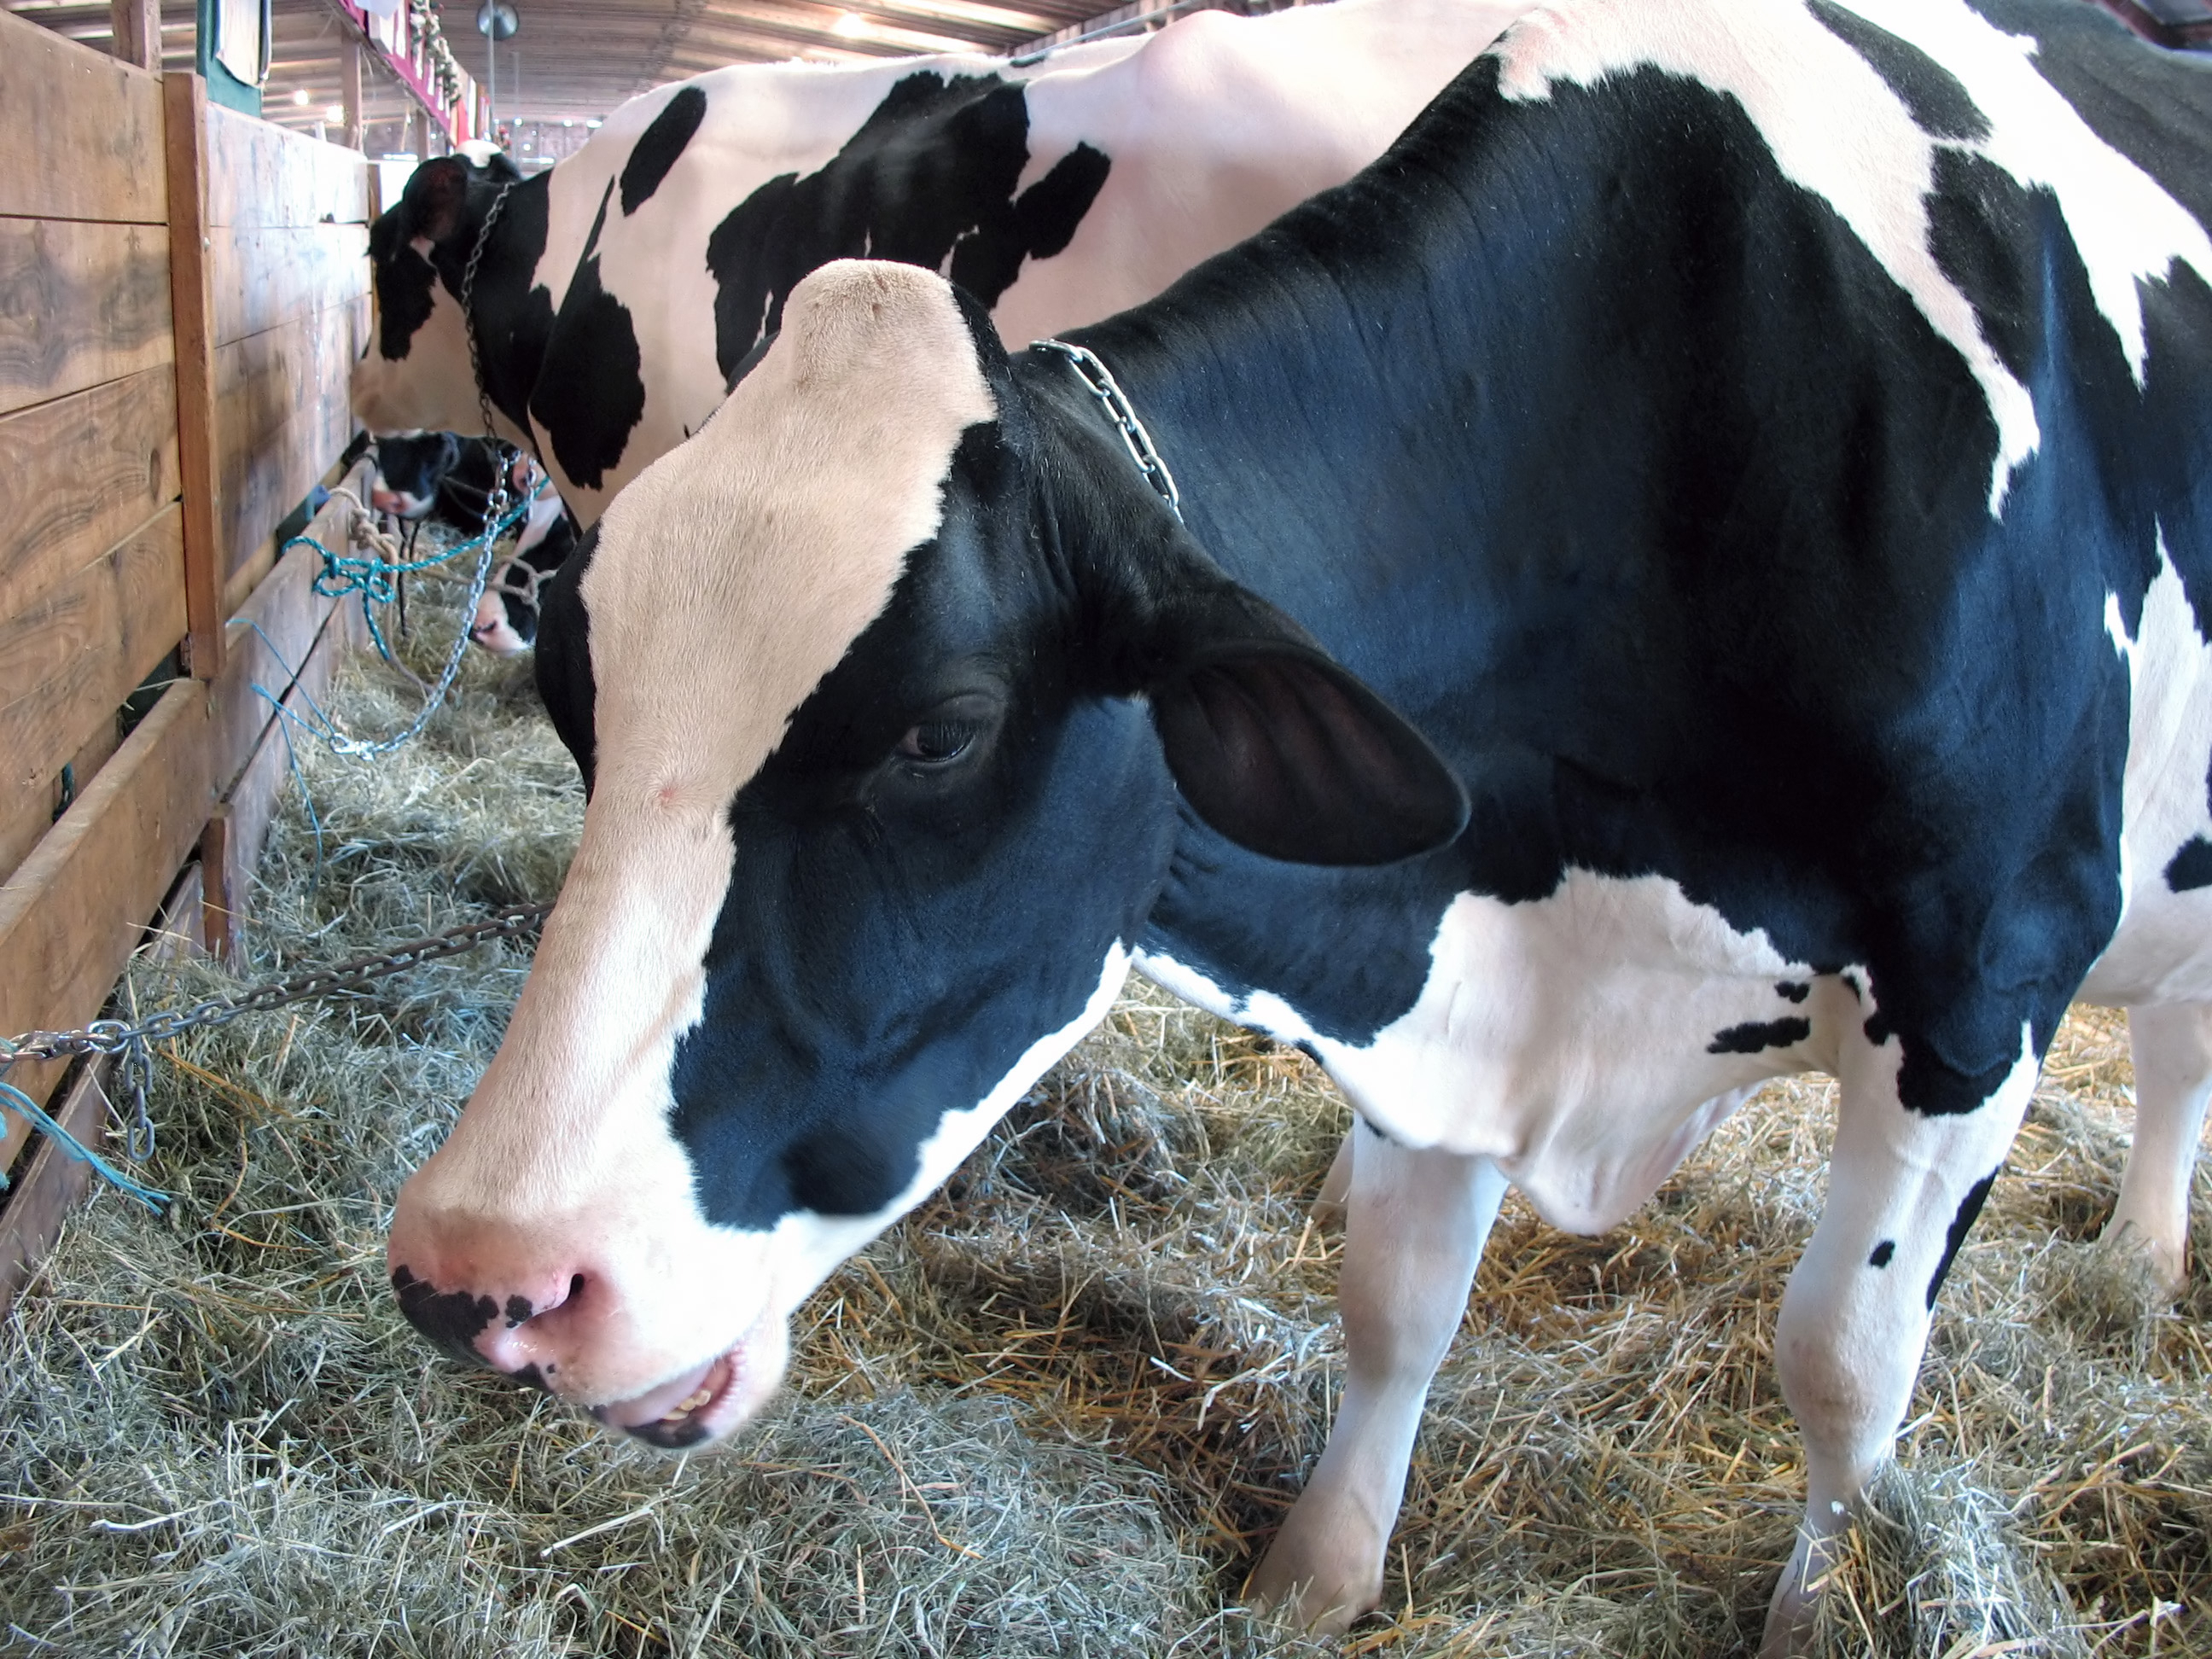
x: 618, y: 293
x: 1699, y: 565
x: 447, y: 477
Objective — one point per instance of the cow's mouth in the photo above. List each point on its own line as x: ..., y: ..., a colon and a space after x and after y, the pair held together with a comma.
x: 682, y: 1412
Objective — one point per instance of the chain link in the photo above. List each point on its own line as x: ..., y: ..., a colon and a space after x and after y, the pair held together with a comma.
x: 115, y: 1037
x: 1099, y: 381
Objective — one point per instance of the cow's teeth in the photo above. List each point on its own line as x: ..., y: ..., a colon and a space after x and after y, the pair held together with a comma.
x: 684, y: 1408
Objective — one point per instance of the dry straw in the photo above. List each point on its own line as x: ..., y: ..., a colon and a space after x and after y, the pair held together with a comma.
x: 1055, y: 1412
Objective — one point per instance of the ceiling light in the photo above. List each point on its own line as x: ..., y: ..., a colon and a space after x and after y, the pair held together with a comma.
x: 852, y: 26
x: 594, y: 126
x: 335, y: 113
x: 300, y: 96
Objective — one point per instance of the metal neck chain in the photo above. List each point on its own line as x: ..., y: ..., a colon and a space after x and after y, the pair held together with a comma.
x: 495, y: 503
x: 1098, y: 380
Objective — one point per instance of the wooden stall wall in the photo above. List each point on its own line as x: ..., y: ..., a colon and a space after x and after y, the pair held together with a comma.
x: 182, y: 289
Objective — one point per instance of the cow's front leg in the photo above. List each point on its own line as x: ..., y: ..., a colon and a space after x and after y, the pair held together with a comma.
x: 2172, y: 1049
x: 1903, y: 1189
x: 1414, y: 1230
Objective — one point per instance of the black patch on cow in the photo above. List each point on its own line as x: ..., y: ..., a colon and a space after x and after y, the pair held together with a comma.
x: 1878, y: 1029
x: 1882, y: 1253
x: 1852, y: 984
x: 563, y: 665
x: 1969, y: 1207
x: 2191, y: 867
x: 1982, y: 230
x: 1938, y: 102
x: 929, y: 176
x: 1372, y: 1128
x: 1754, y: 1037
x: 659, y: 146
x: 530, y: 1378
x: 518, y: 1310
x: 1790, y: 990
x: 405, y: 296
x: 451, y: 1319
x: 590, y: 391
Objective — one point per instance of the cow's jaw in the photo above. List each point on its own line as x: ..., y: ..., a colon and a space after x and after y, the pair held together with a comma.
x: 429, y: 386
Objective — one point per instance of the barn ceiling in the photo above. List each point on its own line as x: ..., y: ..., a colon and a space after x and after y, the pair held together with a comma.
x: 572, y: 61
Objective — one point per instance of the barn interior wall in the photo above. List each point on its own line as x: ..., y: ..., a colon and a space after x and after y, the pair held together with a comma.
x: 182, y: 289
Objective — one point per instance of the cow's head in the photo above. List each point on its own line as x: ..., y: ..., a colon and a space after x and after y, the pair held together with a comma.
x: 410, y: 467
x: 876, y: 814
x: 414, y: 374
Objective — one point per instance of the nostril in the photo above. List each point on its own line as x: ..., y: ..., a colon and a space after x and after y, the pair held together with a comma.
x: 521, y: 1310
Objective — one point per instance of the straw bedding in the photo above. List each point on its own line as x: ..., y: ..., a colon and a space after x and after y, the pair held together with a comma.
x: 1054, y: 1411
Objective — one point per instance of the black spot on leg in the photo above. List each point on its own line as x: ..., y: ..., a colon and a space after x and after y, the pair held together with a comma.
x: 1790, y: 990
x: 1882, y: 1252
x: 2191, y: 867
x: 518, y: 1310
x: 1969, y: 1207
x: 659, y: 146
x: 1755, y: 1036
x: 452, y: 1320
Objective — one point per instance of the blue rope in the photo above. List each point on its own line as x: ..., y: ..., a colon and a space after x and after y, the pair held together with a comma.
x: 344, y: 574
x: 15, y: 1100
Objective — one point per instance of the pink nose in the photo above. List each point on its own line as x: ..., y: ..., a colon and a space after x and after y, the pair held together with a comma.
x: 518, y: 1317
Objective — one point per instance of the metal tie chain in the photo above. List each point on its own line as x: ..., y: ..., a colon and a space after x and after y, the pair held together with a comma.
x: 1099, y: 381
x: 133, y: 1042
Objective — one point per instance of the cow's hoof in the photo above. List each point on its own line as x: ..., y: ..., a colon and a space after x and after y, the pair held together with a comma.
x: 1314, y: 1589
x: 1796, y: 1603
x: 2166, y: 1261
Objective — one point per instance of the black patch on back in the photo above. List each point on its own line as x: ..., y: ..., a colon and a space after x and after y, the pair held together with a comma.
x: 1936, y: 99
x: 659, y: 146
x: 2191, y: 867
x: 1791, y: 991
x: 1882, y: 1253
x: 1969, y: 1207
x: 518, y: 1310
x: 591, y: 391
x: 451, y: 1319
x: 930, y: 175
x: 1983, y: 239
x: 1755, y: 1036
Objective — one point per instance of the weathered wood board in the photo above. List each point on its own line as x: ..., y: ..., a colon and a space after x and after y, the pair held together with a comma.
x: 82, y: 137
x: 80, y: 303
x: 79, y: 474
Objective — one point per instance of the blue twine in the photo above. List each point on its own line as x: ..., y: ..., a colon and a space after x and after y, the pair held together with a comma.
x: 15, y: 1100
x: 343, y: 574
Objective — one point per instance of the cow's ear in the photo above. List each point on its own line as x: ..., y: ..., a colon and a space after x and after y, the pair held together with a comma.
x: 437, y: 196
x: 1281, y: 748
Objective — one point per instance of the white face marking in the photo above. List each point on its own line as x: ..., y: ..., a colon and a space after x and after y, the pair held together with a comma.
x: 785, y: 523
x: 1567, y: 1038
x: 1791, y: 73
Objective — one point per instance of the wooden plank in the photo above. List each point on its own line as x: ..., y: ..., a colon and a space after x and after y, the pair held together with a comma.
x: 82, y: 137
x: 80, y: 303
x: 289, y: 640
x: 50, y: 1182
x: 71, y: 914
x: 282, y: 418
x: 350, y: 93
x: 264, y: 176
x: 136, y: 26
x: 192, y: 304
x: 68, y: 661
x: 78, y: 475
x: 264, y: 279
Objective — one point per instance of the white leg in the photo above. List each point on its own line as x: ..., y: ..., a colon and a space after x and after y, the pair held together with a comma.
x: 1903, y: 1188
x: 1336, y: 1185
x: 2172, y: 1048
x: 1416, y: 1227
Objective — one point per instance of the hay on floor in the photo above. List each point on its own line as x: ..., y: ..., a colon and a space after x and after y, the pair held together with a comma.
x: 1055, y: 1410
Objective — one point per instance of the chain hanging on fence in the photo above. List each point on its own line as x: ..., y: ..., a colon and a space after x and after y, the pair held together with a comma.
x: 132, y: 1043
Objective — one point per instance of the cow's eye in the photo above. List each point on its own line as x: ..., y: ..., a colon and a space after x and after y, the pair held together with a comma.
x: 936, y: 743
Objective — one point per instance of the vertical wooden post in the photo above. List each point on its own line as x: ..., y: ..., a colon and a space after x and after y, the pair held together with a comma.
x: 191, y: 295
x: 137, y: 25
x: 350, y: 84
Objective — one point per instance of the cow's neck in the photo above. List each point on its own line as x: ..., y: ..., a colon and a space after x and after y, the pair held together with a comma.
x: 509, y: 317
